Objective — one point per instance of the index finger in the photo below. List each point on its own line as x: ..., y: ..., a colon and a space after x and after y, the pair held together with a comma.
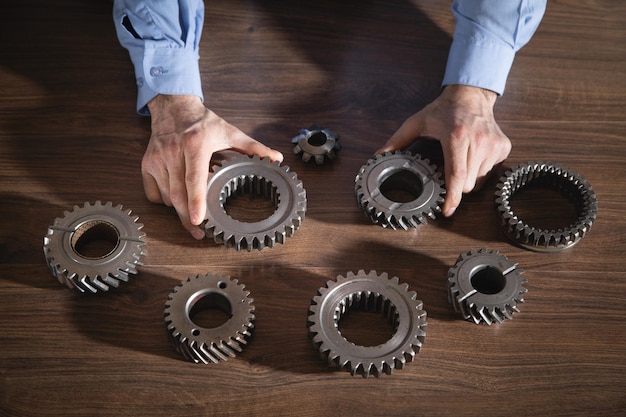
x: 455, y: 165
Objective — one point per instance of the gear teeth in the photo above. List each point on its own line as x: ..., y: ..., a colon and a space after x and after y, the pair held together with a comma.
x: 317, y: 143
x: 394, y: 171
x: 569, y: 183
x: 492, y: 299
x: 368, y: 292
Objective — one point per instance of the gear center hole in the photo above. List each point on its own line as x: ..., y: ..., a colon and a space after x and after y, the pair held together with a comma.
x: 367, y: 320
x: 95, y: 239
x: 209, y: 311
x: 250, y: 199
x: 317, y: 139
x: 401, y: 186
x: 488, y: 280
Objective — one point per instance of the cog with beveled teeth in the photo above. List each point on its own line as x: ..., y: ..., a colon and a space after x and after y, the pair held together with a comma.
x: 64, y: 244
x: 374, y: 293
x: 253, y: 175
x: 318, y: 143
x: 485, y: 287
x: 405, y: 172
x: 561, y: 179
x: 202, y: 344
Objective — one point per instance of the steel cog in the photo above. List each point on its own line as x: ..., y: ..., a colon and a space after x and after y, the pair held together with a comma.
x: 485, y: 286
x: 254, y: 175
x: 376, y: 293
x: 91, y: 274
x: 399, y: 171
x: 209, y: 345
x: 316, y: 142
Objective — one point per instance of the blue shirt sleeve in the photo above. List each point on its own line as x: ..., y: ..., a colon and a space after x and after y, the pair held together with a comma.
x: 488, y: 33
x: 162, y: 38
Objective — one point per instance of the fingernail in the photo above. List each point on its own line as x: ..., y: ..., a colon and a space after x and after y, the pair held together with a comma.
x: 449, y: 212
x: 197, y: 234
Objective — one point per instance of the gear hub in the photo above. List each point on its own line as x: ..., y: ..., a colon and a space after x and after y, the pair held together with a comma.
x: 485, y: 286
x: 203, y: 344
x: 399, y: 190
x: 121, y: 247
x: 374, y: 293
x: 318, y: 143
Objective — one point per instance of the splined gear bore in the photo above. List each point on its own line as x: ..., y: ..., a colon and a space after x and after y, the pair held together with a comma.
x: 209, y: 345
x: 374, y: 293
x: 254, y: 175
x: 561, y: 179
x: 399, y: 171
x: 73, y: 266
x: 316, y: 142
x: 485, y: 286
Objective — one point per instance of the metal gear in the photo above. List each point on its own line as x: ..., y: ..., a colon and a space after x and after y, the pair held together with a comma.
x: 554, y: 176
x: 253, y: 175
x: 485, y: 286
x: 316, y: 142
x: 71, y: 265
x: 405, y: 172
x: 209, y: 345
x: 374, y: 293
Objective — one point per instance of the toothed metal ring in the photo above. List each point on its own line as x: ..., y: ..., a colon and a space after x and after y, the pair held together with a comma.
x: 485, y: 286
x: 410, y: 174
x: 209, y: 345
x: 90, y: 271
x: 374, y: 293
x: 561, y: 179
x: 316, y: 142
x: 253, y: 175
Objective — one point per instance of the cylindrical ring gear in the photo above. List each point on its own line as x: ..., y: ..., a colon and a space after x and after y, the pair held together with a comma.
x: 485, y: 286
x: 63, y: 245
x: 399, y: 171
x: 254, y: 175
x: 561, y: 179
x: 316, y: 142
x: 209, y: 345
x: 375, y: 293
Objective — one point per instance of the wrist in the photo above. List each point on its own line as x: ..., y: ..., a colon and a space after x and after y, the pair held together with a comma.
x: 468, y: 93
x: 169, y: 111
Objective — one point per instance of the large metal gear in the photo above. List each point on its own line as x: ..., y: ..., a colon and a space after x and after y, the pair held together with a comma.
x: 64, y: 246
x: 209, y: 345
x: 561, y: 179
x: 485, y: 286
x: 405, y: 172
x: 374, y: 293
x: 254, y: 175
x: 316, y: 142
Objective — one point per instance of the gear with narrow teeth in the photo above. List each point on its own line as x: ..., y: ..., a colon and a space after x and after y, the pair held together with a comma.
x: 374, y: 293
x: 553, y: 176
x: 399, y: 171
x: 318, y: 143
x: 209, y: 345
x: 253, y: 175
x: 485, y: 287
x: 114, y: 226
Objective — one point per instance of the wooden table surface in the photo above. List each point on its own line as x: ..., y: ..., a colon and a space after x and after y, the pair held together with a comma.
x: 69, y: 134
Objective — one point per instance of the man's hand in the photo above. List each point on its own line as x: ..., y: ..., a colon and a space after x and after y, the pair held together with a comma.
x: 175, y: 167
x: 461, y: 118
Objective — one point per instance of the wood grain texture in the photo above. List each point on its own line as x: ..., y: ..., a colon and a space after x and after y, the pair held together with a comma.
x: 69, y: 134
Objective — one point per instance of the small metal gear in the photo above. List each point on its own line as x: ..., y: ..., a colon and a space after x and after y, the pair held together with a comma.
x: 316, y: 142
x: 554, y: 176
x: 374, y: 293
x: 405, y: 172
x: 254, y: 175
x: 485, y: 286
x: 71, y: 265
x: 209, y: 345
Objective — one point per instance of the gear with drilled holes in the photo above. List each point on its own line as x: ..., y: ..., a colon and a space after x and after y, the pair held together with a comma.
x: 209, y: 345
x: 374, y: 293
x: 399, y: 171
x: 316, y: 142
x: 553, y: 176
x: 485, y: 286
x: 253, y: 175
x: 64, y: 247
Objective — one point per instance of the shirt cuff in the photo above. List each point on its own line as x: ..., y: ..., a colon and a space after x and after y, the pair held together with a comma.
x: 480, y: 62
x: 166, y: 71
